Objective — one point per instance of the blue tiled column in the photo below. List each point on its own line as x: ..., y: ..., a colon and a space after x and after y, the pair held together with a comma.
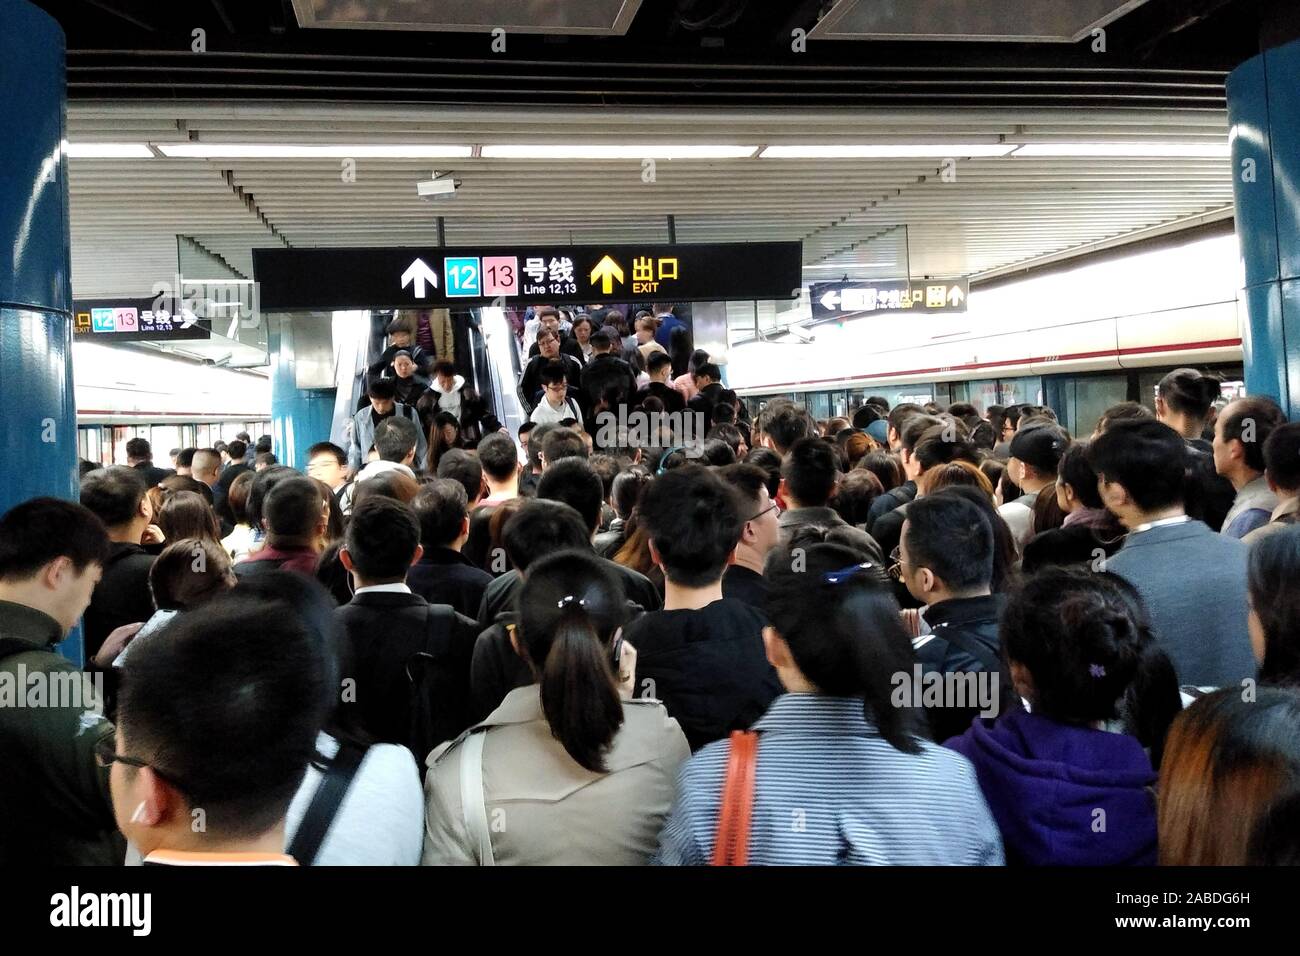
x: 299, y: 417
x: 38, y: 431
x: 1264, y: 112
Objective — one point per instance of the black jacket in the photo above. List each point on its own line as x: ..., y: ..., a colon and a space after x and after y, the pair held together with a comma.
x: 384, y: 366
x: 708, y: 666
x: 153, y: 475
x: 705, y: 400
x: 221, y: 493
x: 888, y: 502
x: 122, y: 595
x: 672, y: 399
x: 500, y: 594
x: 608, y: 543
x: 964, y: 639
x: 444, y: 576
x: 530, y: 383
x: 383, y: 631
x: 607, y: 372
x: 570, y: 346
x: 741, y: 584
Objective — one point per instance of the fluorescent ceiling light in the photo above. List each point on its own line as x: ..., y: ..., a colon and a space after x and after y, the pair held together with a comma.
x: 302, y: 151
x: 887, y: 151
x: 1206, y: 150
x: 608, y: 151
x: 107, y: 151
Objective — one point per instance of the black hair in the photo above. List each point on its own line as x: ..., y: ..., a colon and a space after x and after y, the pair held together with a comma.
x: 1004, y: 542
x: 541, y: 527
x: 885, y: 466
x: 569, y: 608
x: 382, y: 538
x: 185, y: 514
x: 1251, y: 421
x: 952, y: 538
x: 747, y: 481
x: 1275, y: 840
x: 396, y: 438
x: 899, y: 414
x: 1146, y: 457
x: 785, y: 423
x: 600, y: 340
x: 855, y: 494
x: 879, y: 401
x: 265, y: 458
x: 845, y: 633
x: 197, y: 707
x: 114, y: 494
x: 1124, y: 411
x: 1086, y: 641
x: 186, y: 458
x: 656, y: 361
x: 1274, y: 569
x: 263, y: 482
x: 238, y: 449
x: 139, y: 449
x: 561, y: 443
x: 770, y: 462
x: 694, y: 522
x: 1189, y: 392
x: 443, y: 367
x: 709, y: 370
x: 554, y: 373
x: 1075, y: 471
x: 263, y: 444
x: 189, y: 572
x: 1282, y: 456
x: 914, y: 426
x: 498, y: 456
x: 292, y: 507
x: 944, y: 443
x: 962, y: 410
x: 440, y: 508
x: 36, y: 532
x: 727, y: 433
x: 608, y: 468
x: 464, y: 467
x: 810, y: 471
x: 177, y: 483
x: 526, y: 427
x: 625, y: 493
x: 717, y: 453
x: 535, y: 441
x: 382, y: 389
x: 573, y: 481
x: 865, y: 415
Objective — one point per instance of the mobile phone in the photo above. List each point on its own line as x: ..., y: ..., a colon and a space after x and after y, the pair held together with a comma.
x: 618, y: 650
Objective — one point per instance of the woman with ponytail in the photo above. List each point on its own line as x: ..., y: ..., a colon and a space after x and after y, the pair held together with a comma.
x: 1071, y: 777
x: 568, y: 770
x: 843, y: 773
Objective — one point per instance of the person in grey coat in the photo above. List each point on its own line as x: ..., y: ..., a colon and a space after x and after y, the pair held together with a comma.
x: 1192, y: 580
x: 809, y: 476
x: 383, y: 404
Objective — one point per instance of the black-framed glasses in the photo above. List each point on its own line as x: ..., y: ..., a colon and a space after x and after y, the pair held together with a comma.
x: 772, y: 507
x: 843, y: 574
x: 106, y: 755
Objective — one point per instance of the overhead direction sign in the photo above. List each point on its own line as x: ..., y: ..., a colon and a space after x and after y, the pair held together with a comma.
x: 409, y: 277
x: 838, y: 299
x: 134, y: 320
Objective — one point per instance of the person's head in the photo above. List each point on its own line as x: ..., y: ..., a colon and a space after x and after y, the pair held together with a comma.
x: 540, y: 527
x: 382, y: 542
x: 659, y: 366
x: 237, y: 496
x: 835, y: 629
x: 954, y: 473
x: 555, y: 383
x: 464, y: 468
x: 717, y: 453
x: 188, y: 573
x: 1080, y: 650
x: 784, y: 423
x: 1124, y: 411
x: 498, y: 458
x: 263, y: 482
x: 264, y: 460
x: 646, y: 326
x: 1183, y: 400
x: 399, y: 333
x: 601, y: 342
x: 237, y: 450
x: 548, y: 318
x: 1140, y: 466
x: 174, y: 483
x: 1227, y: 761
x: 404, y: 365
x: 570, y: 610
x: 915, y: 425
x: 945, y: 550
x: 446, y: 431
x: 185, y: 514
x: 1239, y: 436
x: 574, y: 482
x: 193, y: 719
x: 52, y: 554
x: 328, y: 462
x: 395, y: 484
x: 560, y: 443
x: 583, y: 328
x: 897, y: 420
x: 1282, y: 459
x: 525, y: 434
x: 1274, y: 620
x: 293, y: 511
x: 396, y: 439
x: 854, y: 495
x: 707, y: 374
x: 548, y: 344
x: 885, y: 466
x: 694, y: 522
x: 117, y: 496
x: 206, y: 466
x: 1036, y: 452
x: 762, y: 525
x: 770, y: 463
x: 185, y: 461
x: 383, y: 395
x: 1076, y: 482
x: 442, y: 510
x: 138, y: 450
x: 942, y: 444
x: 809, y: 473
x: 625, y: 491
x: 444, y: 374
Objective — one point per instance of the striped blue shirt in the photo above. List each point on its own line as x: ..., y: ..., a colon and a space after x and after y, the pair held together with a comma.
x: 831, y: 790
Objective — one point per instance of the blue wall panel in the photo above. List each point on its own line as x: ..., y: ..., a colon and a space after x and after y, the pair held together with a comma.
x: 299, y: 417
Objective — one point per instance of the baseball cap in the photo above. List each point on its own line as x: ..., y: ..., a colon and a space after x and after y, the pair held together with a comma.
x: 879, y: 430
x: 1040, y: 446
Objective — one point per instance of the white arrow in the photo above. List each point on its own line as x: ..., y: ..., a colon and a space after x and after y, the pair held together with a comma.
x: 955, y: 296
x: 830, y: 300
x: 188, y: 319
x: 419, y: 273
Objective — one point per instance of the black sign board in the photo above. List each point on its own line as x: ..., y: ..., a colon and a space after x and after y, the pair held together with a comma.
x: 411, y: 277
x: 837, y: 299
x: 135, y: 320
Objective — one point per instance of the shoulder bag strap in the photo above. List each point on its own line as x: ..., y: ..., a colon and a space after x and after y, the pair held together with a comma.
x: 472, y: 804
x: 731, y: 845
x: 325, y: 804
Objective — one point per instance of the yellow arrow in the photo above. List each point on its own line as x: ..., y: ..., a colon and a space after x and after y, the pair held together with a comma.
x: 607, y: 270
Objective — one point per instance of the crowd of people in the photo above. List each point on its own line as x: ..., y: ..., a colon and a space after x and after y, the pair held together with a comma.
x: 916, y: 635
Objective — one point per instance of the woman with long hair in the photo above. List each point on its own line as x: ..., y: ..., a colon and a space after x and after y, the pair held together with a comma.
x: 184, y: 514
x: 443, y: 436
x: 578, y: 771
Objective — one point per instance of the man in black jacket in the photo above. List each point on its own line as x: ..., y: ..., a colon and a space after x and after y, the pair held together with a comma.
x: 659, y: 367
x: 221, y: 493
x: 139, y: 455
x: 946, y: 561
x: 708, y: 379
x: 607, y: 377
x: 118, y: 497
x: 387, y: 626
x: 530, y: 382
x: 443, y: 575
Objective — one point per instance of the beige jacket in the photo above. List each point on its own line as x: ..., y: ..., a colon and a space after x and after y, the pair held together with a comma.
x: 1288, y: 506
x: 545, y: 809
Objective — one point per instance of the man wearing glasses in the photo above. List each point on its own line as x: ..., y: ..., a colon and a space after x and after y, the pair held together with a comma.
x: 555, y: 406
x: 743, y: 579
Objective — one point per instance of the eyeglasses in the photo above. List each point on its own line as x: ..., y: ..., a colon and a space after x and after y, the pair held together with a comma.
x: 896, y: 563
x: 106, y: 755
x: 772, y: 507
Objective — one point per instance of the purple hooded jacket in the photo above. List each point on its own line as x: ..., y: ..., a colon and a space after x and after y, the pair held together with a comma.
x: 1044, y: 782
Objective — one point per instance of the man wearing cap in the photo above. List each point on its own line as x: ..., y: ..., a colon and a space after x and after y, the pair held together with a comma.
x: 401, y: 340
x: 1035, y: 455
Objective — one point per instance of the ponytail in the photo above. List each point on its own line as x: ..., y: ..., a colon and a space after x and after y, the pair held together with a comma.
x: 579, y: 696
x: 1152, y: 700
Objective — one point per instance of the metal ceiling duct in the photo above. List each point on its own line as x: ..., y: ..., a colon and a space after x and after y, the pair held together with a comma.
x: 572, y: 17
x: 1020, y: 21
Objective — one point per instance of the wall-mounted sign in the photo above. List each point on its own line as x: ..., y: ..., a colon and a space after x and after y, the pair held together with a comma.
x: 410, y: 277
x: 837, y: 299
x: 134, y: 320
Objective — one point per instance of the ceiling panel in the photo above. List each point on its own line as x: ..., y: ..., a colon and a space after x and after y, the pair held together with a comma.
x: 593, y: 17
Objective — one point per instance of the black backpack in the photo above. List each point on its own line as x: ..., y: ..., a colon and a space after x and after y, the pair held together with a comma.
x: 429, y: 724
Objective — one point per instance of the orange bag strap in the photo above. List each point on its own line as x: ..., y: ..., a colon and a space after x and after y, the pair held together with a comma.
x: 731, y: 845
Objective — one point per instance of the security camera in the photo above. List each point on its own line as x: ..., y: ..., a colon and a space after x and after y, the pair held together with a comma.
x: 440, y: 187
x: 803, y: 335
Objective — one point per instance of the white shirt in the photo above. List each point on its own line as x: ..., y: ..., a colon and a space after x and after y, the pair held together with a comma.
x: 398, y: 588
x: 544, y: 413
